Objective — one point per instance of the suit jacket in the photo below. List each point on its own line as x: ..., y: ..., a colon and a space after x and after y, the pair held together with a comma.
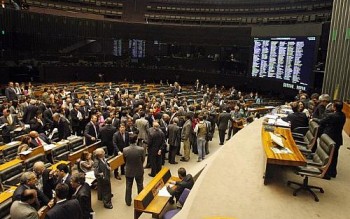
x: 29, y: 113
x: 332, y: 125
x: 223, y: 120
x: 42, y: 198
x: 48, y: 183
x: 102, y: 170
x: 64, y: 210
x: 7, y: 129
x: 156, y: 140
x: 47, y: 118
x: 74, y: 118
x: 90, y: 132
x: 118, y: 142
x: 186, y: 130
x: 21, y: 210
x: 35, y: 125
x: 187, y: 182
x: 66, y: 181
x: 33, y: 143
x: 63, y: 127
x: 134, y: 157
x: 106, y: 135
x: 10, y: 94
x: 297, y: 119
x: 142, y: 125
x: 174, y: 134
x: 83, y: 195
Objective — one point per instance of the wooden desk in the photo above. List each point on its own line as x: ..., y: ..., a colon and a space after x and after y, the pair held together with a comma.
x: 34, y: 152
x: 295, y: 158
x: 7, y: 194
x: 346, y: 111
x: 148, y: 200
x: 73, y: 157
x: 116, y: 162
x: 3, y: 147
x: 10, y: 164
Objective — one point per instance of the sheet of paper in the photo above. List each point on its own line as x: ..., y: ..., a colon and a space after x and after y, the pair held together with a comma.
x: 164, y: 192
x: 280, y: 122
x: 89, y: 177
x: 49, y: 147
x: 276, y: 139
x: 281, y: 150
x: 26, y: 152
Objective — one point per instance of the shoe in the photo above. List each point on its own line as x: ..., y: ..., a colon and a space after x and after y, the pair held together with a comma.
x: 108, y: 206
x: 221, y: 143
x: 227, y: 139
x: 179, y: 154
x: 128, y: 204
x: 199, y: 160
x: 151, y: 175
x: 118, y: 178
x: 173, y: 162
x: 183, y: 159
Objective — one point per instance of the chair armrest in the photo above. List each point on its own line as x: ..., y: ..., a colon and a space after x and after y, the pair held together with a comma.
x: 300, y: 130
x: 297, y: 135
x: 309, y: 171
x: 301, y: 143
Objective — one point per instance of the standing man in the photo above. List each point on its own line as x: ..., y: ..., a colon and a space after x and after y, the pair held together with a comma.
x: 45, y: 181
x: 142, y: 125
x: 156, y: 142
x: 8, y: 123
x: 10, y: 92
x: 82, y: 194
x: 174, y: 133
x: 62, y: 125
x: 76, y: 119
x: 134, y: 157
x: 332, y: 125
x: 102, y: 173
x: 201, y: 130
x: 63, y: 176
x: 120, y: 141
x: 64, y: 208
x: 185, y: 136
x: 106, y: 136
x: 223, y: 119
x: 22, y: 209
x: 91, y: 131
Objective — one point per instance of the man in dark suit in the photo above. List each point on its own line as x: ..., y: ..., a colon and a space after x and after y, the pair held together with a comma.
x: 62, y: 175
x: 332, y: 125
x: 102, y: 173
x: 297, y: 118
x: 174, y: 133
x: 30, y: 111
x: 64, y: 208
x: 45, y: 180
x: 37, y: 140
x: 10, y: 92
x: 37, y: 124
x: 106, y: 136
x: 82, y: 194
x: 8, y: 123
x: 85, y: 111
x: 28, y: 180
x: 186, y: 182
x: 62, y: 125
x: 91, y: 131
x: 223, y: 119
x: 120, y: 141
x: 134, y: 157
x: 47, y: 115
x: 156, y: 143
x: 76, y: 119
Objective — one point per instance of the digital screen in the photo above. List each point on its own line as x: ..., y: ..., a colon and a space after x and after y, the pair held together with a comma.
x: 137, y: 48
x: 117, y: 47
x: 286, y: 59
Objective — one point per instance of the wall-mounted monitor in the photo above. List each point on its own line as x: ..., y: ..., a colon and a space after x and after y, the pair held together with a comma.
x: 288, y: 60
x: 137, y: 48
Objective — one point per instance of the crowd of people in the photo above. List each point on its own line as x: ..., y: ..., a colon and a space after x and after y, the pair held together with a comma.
x: 147, y: 129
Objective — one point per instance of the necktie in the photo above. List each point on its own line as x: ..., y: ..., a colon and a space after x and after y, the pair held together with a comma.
x: 123, y: 137
x: 38, y: 141
x: 9, y: 120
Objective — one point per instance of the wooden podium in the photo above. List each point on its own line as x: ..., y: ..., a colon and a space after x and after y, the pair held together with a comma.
x: 346, y: 110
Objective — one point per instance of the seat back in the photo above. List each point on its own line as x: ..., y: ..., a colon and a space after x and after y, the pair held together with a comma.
x: 29, y: 163
x: 311, y: 136
x: 11, y: 175
x: 76, y: 144
x: 60, y: 153
x: 184, y: 196
x: 10, y: 152
x: 5, y: 208
x: 324, y: 152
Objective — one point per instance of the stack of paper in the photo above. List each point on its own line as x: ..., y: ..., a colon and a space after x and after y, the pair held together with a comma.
x: 164, y: 192
x: 276, y: 139
x: 49, y: 147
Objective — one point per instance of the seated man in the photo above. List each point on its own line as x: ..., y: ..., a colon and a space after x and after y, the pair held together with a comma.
x: 186, y: 181
x: 38, y: 140
x: 297, y: 118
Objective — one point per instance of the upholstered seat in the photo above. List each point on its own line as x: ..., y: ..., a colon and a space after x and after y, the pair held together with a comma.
x: 10, y: 176
x: 170, y: 214
x: 317, y: 166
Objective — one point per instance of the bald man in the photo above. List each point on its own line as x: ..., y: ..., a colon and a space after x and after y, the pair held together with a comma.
x: 22, y: 209
x: 38, y: 140
x: 45, y: 182
x: 156, y: 143
x: 102, y: 172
